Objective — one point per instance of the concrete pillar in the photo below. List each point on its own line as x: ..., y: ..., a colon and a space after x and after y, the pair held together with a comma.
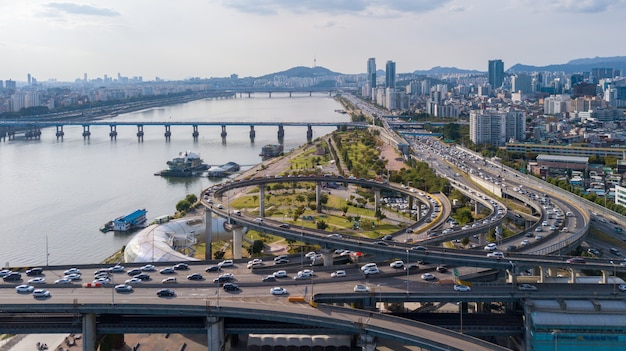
x: 262, y: 200
x: 367, y: 342
x: 195, y: 132
x: 139, y: 133
x: 59, y: 132
x: 252, y: 133
x: 512, y: 276
x: 318, y: 197
x: 237, y: 241
x: 168, y: 132
x: 605, y: 275
x: 281, y: 132
x: 327, y: 256
x: 223, y: 134
x: 215, y: 333
x: 208, y: 233
x: 112, y: 133
x: 572, y: 278
x: 86, y: 132
x: 376, y: 199
x: 552, y: 271
x: 542, y: 274
x: 89, y: 332
x: 477, y: 207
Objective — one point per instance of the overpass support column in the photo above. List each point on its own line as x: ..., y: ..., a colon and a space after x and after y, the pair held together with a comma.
x: 477, y: 207
x: 572, y: 278
x: 376, y: 199
x: 542, y: 274
x: 281, y: 132
x: 367, y: 342
x: 327, y: 256
x: 208, y: 233
x: 605, y: 275
x: 252, y: 133
x: 215, y: 333
x: 139, y: 133
x: 195, y: 132
x: 237, y: 240
x: 309, y: 133
x: 89, y: 332
x: 262, y: 200
x: 318, y: 197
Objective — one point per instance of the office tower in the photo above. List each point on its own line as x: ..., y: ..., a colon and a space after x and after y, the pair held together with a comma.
x: 30, y: 82
x: 496, y: 73
x: 390, y: 75
x: 521, y: 82
x: 371, y: 72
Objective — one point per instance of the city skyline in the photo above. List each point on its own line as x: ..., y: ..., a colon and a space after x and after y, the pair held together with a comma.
x: 179, y: 40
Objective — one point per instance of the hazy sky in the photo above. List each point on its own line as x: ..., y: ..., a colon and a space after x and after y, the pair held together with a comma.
x: 178, y: 39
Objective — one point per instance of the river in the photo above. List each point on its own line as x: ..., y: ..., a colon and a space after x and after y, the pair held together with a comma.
x: 55, y: 194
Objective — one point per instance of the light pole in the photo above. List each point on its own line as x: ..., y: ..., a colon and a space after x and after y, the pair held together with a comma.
x: 408, y: 268
x: 614, y: 278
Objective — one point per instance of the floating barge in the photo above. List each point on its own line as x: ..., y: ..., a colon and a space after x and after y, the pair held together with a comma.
x: 224, y: 170
x: 131, y: 221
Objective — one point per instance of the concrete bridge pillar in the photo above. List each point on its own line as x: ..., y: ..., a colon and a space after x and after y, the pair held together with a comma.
x: 477, y: 207
x: 140, y: 133
x: 89, y: 332
x: 60, y: 133
x: 112, y: 133
x: 168, y: 132
x: 309, y: 133
x: 605, y: 278
x: 237, y: 240
x: 281, y: 132
x: 318, y: 197
x: 86, y: 132
x: 572, y: 277
x: 249, y: 95
x: 270, y: 94
x: 542, y: 274
x: 252, y: 133
x: 327, y: 256
x: 552, y: 271
x: 367, y: 342
x: 208, y: 233
x: 215, y: 333
x: 195, y: 132
x: 376, y: 199
x: 262, y: 200
x: 223, y: 134
x: 289, y: 94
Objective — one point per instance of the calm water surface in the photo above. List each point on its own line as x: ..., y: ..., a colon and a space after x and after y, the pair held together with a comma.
x: 61, y: 192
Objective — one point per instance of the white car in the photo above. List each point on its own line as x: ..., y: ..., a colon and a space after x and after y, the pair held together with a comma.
x: 116, y: 269
x: 123, y: 288
x: 72, y: 271
x: 24, y: 288
x: 428, y: 276
x: 168, y: 280
x: 280, y: 274
x: 396, y: 264
x: 63, y: 281
x: 255, y: 262
x: 372, y: 270
x: 133, y: 281
x: 368, y: 266
x: 459, y: 287
x: 226, y: 263
x: 361, y: 288
x: 278, y: 291
x: 496, y: 254
x: 490, y: 247
x: 338, y: 274
x: 525, y: 243
x: 41, y: 293
x: 148, y: 268
x: 38, y: 280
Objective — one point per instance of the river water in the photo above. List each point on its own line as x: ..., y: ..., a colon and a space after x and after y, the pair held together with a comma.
x: 55, y: 195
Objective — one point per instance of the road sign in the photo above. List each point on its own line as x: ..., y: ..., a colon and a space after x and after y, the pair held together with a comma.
x: 456, y: 272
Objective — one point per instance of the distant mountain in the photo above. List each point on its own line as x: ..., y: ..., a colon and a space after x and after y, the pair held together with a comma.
x: 577, y: 65
x: 302, y: 72
x: 446, y: 70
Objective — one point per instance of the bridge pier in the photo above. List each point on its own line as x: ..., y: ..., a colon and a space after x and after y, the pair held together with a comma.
x: 139, y: 133
x: 367, y: 342
x: 252, y: 133
x: 195, y: 132
x: 215, y: 333
x: 86, y: 132
x: 270, y: 94
x: 89, y: 332
x: 327, y: 256
x: 289, y: 94
x: 237, y: 240
x: 59, y: 133
x: 281, y: 132
x: 113, y: 132
x: 309, y: 133
x: 376, y: 199
x: 168, y: 132
x: 208, y: 233
x: 223, y: 134
x: 249, y: 95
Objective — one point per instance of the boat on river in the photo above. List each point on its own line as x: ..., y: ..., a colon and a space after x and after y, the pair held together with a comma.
x: 186, y: 164
x: 129, y: 222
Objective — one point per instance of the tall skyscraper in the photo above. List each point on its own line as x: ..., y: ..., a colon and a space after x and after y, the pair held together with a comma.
x: 371, y: 72
x: 496, y: 73
x: 390, y: 75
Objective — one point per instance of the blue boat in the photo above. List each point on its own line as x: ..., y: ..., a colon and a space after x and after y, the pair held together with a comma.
x: 131, y: 221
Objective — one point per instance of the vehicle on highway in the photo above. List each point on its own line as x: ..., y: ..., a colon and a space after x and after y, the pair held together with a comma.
x: 368, y: 266
x: 181, y: 267
x: 490, y: 247
x: 459, y: 287
x: 524, y: 242
x: 361, y: 288
x: 34, y: 271
x: 116, y: 269
x: 226, y: 263
x: 38, y: 280
x: 133, y: 272
x: 496, y: 254
x: 371, y: 270
x: 527, y: 287
x: 169, y: 280
x: 382, y: 243
x: 41, y: 293
x: 123, y: 288
x: 615, y: 251
x: 338, y: 274
x: 396, y: 264
x: 166, y: 293
x: 428, y: 276
x: 223, y: 278
x: 73, y: 276
x: 71, y: 271
x: 269, y: 278
x: 213, y: 268
x: 281, y: 260
x: 167, y: 270
x: 195, y: 276
x: 255, y: 262
x: 576, y: 260
x: 334, y: 235
x: 12, y: 277
x: 25, y: 288
x: 142, y: 276
x: 230, y: 287
x: 278, y: 291
x: 419, y: 248
x: 284, y: 225
x: 442, y: 268
x: 148, y: 268
x: 280, y: 274
x: 622, y: 287
x: 133, y: 281
x: 258, y: 220
x: 101, y: 281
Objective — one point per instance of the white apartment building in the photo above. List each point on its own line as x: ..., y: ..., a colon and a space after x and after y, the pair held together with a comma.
x: 497, y: 127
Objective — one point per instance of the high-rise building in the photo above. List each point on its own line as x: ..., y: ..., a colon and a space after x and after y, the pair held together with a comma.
x: 371, y: 72
x: 390, y: 75
x: 496, y: 127
x: 496, y: 73
x: 521, y: 82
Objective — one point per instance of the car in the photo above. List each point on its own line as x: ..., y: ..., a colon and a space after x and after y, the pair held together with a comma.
x: 73, y: 276
x: 387, y: 237
x: 226, y: 263
x: 167, y: 270
x: 382, y: 243
x: 133, y: 272
x: 538, y: 229
x: 123, y: 288
x: 428, y: 276
x: 195, y: 276
x: 526, y: 287
x: 12, y: 277
x: 166, y: 293
x: 278, y: 291
x: 101, y: 281
x: 116, y: 269
x: 25, y: 288
x: 442, y: 268
x: 102, y: 275
x: 372, y: 270
x: 133, y: 281
x: 169, y: 280
x: 181, y: 267
x: 63, y: 281
x: 255, y: 262
x: 368, y: 266
x: 5, y: 272
x: 143, y: 276
x: 496, y: 254
x: 462, y: 288
x: 524, y: 243
x: 284, y: 225
x: 213, y: 268
x: 38, y: 280
x: 258, y: 220
x: 419, y: 248
x: 148, y: 268
x: 361, y: 288
x: 576, y: 260
x: 281, y: 260
x: 334, y: 235
x: 34, y: 271
x: 396, y: 264
x: 280, y: 274
x: 230, y: 287
x: 622, y: 287
x: 310, y: 254
x: 72, y: 271
x: 41, y: 293
x: 490, y: 247
x: 338, y: 274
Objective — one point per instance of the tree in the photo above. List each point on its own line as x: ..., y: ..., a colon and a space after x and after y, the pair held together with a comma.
x: 257, y: 247
x: 183, y: 205
x: 344, y: 209
x: 465, y: 241
x: 321, y: 225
